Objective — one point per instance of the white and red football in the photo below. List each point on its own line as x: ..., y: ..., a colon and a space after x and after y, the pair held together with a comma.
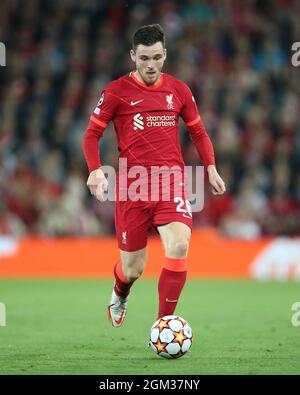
x: 171, y: 336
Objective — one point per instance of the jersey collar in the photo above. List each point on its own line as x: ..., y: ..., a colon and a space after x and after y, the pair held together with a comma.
x: 151, y: 87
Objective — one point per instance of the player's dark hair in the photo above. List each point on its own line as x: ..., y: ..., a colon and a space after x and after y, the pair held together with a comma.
x: 148, y: 35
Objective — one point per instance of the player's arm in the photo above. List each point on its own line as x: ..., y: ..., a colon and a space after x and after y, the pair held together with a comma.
x: 103, y: 113
x: 205, y: 150
x: 201, y: 140
x: 97, y: 182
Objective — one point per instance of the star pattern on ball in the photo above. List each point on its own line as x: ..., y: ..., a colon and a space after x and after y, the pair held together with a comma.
x: 179, y: 337
x: 162, y: 324
x: 171, y: 337
x: 161, y: 347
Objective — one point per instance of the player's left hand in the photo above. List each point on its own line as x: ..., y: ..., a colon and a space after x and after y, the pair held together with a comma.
x: 218, y: 185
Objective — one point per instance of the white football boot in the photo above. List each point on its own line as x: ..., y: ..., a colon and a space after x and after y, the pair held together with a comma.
x: 117, y: 309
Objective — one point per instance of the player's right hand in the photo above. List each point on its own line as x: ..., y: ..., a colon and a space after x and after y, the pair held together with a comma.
x: 97, y: 184
x: 218, y: 185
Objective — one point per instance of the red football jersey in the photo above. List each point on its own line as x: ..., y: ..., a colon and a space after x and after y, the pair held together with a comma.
x: 146, y: 118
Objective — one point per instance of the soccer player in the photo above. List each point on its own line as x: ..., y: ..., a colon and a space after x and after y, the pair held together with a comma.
x: 145, y: 106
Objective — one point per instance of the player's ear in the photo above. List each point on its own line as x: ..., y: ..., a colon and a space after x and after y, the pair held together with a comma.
x: 165, y: 54
x: 133, y: 55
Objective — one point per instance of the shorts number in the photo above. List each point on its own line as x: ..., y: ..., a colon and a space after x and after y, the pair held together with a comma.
x: 186, y: 212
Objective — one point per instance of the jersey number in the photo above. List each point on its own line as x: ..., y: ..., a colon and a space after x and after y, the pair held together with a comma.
x: 186, y: 212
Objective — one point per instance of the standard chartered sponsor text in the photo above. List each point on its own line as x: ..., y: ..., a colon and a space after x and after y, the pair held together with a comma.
x: 160, y: 120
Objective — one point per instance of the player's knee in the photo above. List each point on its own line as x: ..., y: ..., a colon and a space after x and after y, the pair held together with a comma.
x: 133, y: 274
x: 179, y: 249
x: 134, y: 271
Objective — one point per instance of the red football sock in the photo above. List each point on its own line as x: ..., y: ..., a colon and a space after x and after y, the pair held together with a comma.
x: 122, y: 285
x: 170, y: 284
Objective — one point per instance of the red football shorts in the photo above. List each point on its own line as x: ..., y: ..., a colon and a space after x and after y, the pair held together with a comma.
x: 135, y: 219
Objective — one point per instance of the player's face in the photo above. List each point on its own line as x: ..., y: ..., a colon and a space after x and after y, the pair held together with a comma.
x: 149, y: 61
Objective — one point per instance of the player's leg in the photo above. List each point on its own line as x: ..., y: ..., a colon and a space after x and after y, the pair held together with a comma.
x: 129, y: 269
x: 133, y: 263
x: 126, y: 271
x: 132, y: 220
x: 175, y: 237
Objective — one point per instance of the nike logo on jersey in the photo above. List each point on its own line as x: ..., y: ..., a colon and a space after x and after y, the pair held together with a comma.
x: 133, y: 103
x: 171, y: 301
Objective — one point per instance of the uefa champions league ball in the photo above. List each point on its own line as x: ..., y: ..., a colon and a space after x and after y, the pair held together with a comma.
x: 171, y: 336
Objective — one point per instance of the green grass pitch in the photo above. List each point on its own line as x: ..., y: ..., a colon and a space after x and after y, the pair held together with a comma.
x: 61, y: 327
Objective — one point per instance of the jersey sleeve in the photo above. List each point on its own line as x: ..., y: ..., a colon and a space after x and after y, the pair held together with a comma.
x: 189, y: 111
x: 106, y: 108
x: 196, y: 128
x: 104, y: 112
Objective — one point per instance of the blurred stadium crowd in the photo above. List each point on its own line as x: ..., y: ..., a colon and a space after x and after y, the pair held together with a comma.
x: 235, y: 56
